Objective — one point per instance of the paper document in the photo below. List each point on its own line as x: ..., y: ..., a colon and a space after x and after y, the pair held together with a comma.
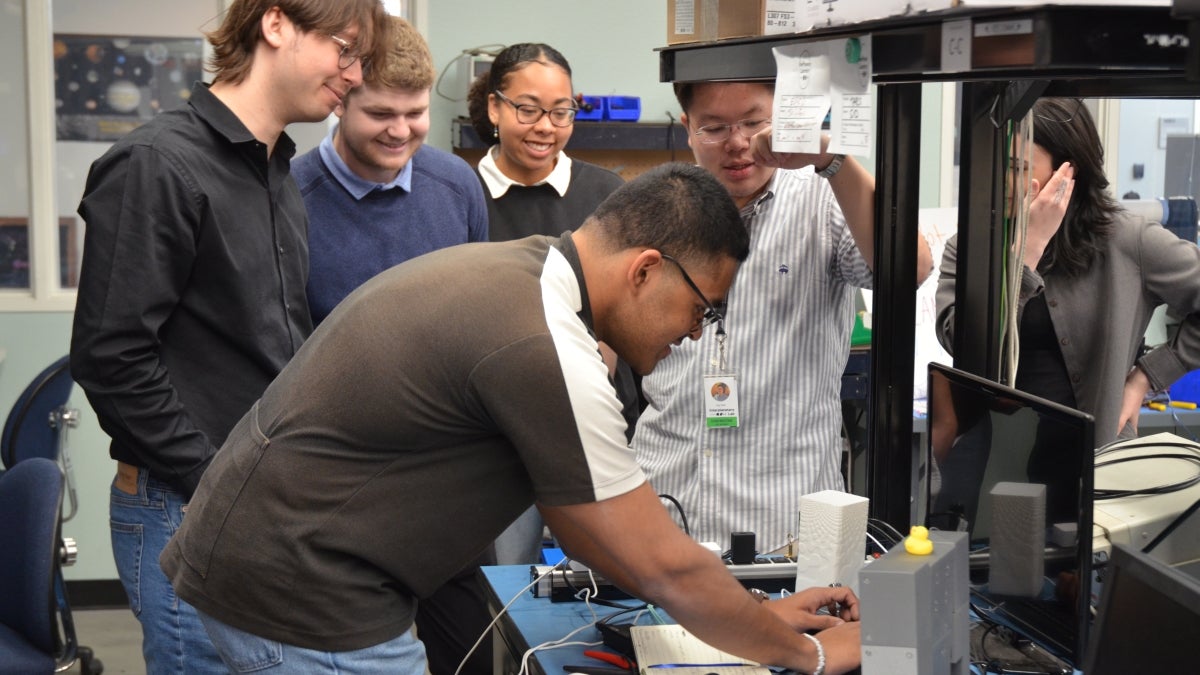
x: 671, y: 650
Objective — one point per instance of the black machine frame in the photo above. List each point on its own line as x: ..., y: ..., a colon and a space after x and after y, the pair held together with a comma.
x: 1101, y: 51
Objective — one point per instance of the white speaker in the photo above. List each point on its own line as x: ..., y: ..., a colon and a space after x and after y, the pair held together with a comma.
x: 831, y: 539
x: 1017, y: 553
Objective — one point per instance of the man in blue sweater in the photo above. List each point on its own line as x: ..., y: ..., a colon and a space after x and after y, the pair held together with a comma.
x: 376, y: 196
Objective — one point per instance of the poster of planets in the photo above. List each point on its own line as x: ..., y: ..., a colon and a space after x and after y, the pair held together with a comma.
x: 106, y: 86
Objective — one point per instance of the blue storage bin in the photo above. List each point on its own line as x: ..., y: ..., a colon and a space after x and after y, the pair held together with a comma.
x: 597, y: 111
x: 622, y: 108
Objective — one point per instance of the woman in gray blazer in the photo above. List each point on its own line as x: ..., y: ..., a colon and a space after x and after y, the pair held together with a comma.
x: 1092, y: 275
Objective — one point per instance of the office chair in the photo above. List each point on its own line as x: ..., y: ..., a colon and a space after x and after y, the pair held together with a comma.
x: 30, y: 505
x: 36, y: 428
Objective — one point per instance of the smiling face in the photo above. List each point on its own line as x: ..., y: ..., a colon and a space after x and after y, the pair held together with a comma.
x: 380, y: 130
x: 309, y: 84
x: 730, y: 161
x: 528, y: 152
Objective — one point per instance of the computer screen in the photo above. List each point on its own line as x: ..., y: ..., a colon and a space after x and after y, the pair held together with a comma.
x: 1148, y: 618
x: 1015, y: 472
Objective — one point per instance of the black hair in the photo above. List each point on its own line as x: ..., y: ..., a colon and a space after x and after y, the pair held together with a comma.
x: 1063, y: 127
x: 677, y: 208
x: 513, y: 57
x: 685, y: 92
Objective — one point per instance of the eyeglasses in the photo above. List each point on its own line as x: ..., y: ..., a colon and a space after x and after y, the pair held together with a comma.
x: 346, y: 57
x: 527, y: 113
x: 711, y: 314
x: 719, y: 133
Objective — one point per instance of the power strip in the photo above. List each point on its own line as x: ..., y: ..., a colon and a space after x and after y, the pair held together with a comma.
x: 562, y: 584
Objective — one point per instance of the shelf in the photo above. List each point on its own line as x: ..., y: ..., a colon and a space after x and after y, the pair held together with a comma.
x: 654, y: 136
x: 1063, y: 41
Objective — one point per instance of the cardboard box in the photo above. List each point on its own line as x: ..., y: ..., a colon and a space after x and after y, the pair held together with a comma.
x: 707, y: 20
x: 691, y: 21
x: 747, y: 18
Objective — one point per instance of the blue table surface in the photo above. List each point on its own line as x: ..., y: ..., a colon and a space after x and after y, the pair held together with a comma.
x: 537, y: 620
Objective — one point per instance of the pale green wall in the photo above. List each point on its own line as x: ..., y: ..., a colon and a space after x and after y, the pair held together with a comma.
x: 34, y: 341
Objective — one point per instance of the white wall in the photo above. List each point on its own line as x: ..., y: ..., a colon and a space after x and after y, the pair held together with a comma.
x: 1138, y: 144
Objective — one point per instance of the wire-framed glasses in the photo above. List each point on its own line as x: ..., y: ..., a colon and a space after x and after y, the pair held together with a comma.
x: 711, y: 313
x: 527, y: 113
x: 347, y: 56
x: 719, y: 133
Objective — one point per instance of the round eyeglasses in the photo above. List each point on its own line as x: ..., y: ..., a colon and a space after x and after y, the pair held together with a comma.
x: 527, y: 113
x: 719, y: 133
x: 347, y: 56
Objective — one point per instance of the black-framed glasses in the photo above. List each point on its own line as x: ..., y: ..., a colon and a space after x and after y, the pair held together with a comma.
x: 527, y: 113
x: 719, y: 133
x: 347, y: 56
x: 711, y: 314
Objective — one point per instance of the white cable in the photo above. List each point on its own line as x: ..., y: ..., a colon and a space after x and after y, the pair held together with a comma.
x: 499, y: 614
x: 555, y: 644
x: 881, y: 546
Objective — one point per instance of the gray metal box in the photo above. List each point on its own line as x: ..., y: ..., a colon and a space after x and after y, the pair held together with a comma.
x: 914, y: 610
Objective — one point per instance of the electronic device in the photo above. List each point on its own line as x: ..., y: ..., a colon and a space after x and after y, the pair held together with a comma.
x: 1147, y: 620
x: 467, y: 66
x: 982, y: 433
x: 766, y: 573
x: 915, y: 610
x: 1142, y: 520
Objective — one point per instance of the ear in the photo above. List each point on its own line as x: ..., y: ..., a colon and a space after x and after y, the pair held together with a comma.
x: 683, y: 119
x: 340, y: 109
x: 643, y: 269
x: 493, y: 110
x: 274, y: 26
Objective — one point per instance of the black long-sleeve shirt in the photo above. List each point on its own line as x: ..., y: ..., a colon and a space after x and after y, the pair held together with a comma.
x: 191, y: 295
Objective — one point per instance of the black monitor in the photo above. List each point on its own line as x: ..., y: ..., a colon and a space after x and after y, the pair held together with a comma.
x: 1148, y: 618
x: 985, y: 437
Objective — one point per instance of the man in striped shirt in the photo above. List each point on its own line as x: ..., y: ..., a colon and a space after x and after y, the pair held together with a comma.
x: 742, y: 463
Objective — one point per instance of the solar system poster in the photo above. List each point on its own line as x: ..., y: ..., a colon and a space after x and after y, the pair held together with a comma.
x: 106, y: 86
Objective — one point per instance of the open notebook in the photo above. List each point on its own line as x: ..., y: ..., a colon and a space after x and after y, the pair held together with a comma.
x: 671, y: 650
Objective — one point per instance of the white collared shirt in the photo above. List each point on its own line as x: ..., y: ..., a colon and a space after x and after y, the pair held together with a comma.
x: 497, y: 183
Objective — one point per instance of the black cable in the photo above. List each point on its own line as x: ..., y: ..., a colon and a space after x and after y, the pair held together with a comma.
x: 1166, y: 488
x: 679, y: 508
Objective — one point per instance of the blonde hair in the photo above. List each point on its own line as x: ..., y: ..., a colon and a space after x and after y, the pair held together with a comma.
x: 406, y: 63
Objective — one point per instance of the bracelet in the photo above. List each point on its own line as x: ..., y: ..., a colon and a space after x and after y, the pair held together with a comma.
x: 834, y: 166
x: 820, y: 654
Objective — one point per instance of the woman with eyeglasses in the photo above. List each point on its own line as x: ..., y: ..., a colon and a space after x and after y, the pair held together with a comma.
x: 525, y: 107
x: 1091, y: 275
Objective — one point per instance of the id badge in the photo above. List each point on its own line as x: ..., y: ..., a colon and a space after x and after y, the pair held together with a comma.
x: 720, y: 401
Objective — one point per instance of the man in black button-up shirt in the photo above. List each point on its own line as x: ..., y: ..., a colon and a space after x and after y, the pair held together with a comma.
x: 191, y: 296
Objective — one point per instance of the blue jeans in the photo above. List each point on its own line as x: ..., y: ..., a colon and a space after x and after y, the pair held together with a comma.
x: 173, y: 640
x: 248, y: 653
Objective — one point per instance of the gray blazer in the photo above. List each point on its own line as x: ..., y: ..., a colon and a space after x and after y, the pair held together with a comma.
x: 1101, y: 316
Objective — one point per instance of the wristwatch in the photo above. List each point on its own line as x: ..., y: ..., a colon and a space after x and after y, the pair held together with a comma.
x: 759, y: 595
x: 834, y: 166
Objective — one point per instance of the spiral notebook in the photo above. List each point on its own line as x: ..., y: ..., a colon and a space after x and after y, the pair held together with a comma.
x: 671, y: 650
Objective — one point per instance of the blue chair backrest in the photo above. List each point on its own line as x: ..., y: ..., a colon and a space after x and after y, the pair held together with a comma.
x: 31, y: 496
x: 27, y: 431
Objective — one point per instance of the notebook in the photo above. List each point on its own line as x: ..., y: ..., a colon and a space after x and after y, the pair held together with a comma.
x: 671, y: 650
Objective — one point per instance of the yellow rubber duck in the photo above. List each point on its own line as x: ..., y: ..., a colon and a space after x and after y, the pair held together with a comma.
x: 917, y: 542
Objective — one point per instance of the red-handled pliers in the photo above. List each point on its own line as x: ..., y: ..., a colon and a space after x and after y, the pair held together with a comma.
x: 615, y: 659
